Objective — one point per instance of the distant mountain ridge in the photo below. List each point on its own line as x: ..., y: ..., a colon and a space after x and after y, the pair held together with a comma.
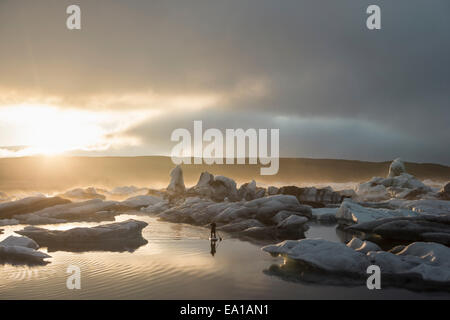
x: 46, y: 174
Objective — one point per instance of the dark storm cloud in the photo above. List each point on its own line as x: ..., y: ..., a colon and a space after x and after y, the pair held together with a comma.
x: 306, y: 137
x: 387, y: 91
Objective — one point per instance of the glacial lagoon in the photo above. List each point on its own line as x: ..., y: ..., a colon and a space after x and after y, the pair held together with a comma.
x: 177, y: 263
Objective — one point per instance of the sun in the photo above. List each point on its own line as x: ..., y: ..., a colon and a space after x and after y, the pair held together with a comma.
x: 49, y: 130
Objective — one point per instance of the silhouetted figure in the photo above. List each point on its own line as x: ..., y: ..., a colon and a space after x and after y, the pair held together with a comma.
x: 213, y: 248
x: 213, y: 231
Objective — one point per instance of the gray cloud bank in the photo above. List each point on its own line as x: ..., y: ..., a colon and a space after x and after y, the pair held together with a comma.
x: 310, y: 68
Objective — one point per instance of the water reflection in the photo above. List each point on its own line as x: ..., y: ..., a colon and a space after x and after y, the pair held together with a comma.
x: 177, y: 228
x: 344, y: 235
x: 120, y: 245
x: 21, y: 262
x: 214, y: 245
x: 295, y: 271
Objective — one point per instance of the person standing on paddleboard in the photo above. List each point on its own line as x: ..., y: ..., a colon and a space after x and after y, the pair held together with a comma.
x: 213, y: 231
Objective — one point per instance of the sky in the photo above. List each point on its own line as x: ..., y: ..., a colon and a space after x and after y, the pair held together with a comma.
x: 139, y: 69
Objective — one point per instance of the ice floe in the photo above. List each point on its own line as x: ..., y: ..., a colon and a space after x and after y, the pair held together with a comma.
x: 444, y: 194
x: 419, y: 228
x: 138, y: 202
x: 20, y: 241
x: 398, y: 184
x: 8, y: 222
x: 234, y: 216
x: 4, y: 197
x: 293, y: 221
x: 418, y: 265
x: 315, y: 197
x: 249, y: 191
x: 176, y: 185
x: 119, y: 236
x: 216, y: 188
x: 425, y: 261
x: 271, y: 190
x: 324, y: 214
x: 157, y: 207
x: 21, y: 250
x: 240, y: 226
x: 83, y: 194
x: 396, y: 168
x: 128, y: 191
x: 352, y: 212
x: 363, y: 246
x: 30, y: 204
x: 91, y: 210
x: 321, y: 254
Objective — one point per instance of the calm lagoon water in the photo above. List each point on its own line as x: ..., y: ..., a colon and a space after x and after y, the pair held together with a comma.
x: 176, y: 263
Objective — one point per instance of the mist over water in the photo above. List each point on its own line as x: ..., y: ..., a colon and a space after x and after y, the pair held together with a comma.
x: 53, y: 175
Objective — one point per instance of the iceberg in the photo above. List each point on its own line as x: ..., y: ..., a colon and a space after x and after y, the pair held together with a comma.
x: 21, y: 250
x: 422, y: 265
x: 30, y: 204
x: 90, y: 210
x: 120, y: 236
x: 351, y: 212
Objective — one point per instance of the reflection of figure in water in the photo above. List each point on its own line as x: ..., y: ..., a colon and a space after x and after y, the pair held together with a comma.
x: 178, y: 229
x: 213, y: 247
x: 214, y: 238
x: 213, y: 231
